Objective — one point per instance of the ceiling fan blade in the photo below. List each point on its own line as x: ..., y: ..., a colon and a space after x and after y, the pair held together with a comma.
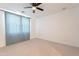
x: 40, y: 9
x: 33, y: 4
x: 33, y: 11
x: 37, y: 4
x: 27, y: 7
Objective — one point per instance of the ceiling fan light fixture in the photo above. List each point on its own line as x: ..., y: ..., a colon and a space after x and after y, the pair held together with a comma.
x: 33, y: 8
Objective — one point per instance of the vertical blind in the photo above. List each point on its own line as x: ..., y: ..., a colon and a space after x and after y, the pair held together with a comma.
x: 17, y: 28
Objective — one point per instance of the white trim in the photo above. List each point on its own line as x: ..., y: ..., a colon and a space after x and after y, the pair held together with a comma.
x: 18, y: 13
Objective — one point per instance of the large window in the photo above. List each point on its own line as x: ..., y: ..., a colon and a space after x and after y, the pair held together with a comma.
x: 25, y: 25
x: 17, y: 28
x: 13, y: 23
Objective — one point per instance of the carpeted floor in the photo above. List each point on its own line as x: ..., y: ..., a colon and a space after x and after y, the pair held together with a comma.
x: 39, y: 47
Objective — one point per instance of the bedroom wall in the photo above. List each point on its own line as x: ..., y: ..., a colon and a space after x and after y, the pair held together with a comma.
x: 62, y: 27
x: 2, y: 29
x: 32, y: 28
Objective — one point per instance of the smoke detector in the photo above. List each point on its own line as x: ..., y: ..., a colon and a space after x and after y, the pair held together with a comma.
x: 64, y: 8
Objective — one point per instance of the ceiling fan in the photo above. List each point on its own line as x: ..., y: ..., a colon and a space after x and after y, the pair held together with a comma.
x: 34, y: 6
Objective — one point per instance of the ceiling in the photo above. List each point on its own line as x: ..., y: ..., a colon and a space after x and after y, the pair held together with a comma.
x: 49, y: 8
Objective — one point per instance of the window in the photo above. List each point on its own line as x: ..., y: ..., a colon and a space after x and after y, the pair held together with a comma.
x: 17, y: 28
x: 13, y: 23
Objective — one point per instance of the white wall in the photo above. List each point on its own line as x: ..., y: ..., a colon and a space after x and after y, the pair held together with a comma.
x: 62, y: 27
x: 2, y: 29
x: 32, y: 28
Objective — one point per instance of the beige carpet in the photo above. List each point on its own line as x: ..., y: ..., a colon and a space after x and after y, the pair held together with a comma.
x: 38, y: 47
